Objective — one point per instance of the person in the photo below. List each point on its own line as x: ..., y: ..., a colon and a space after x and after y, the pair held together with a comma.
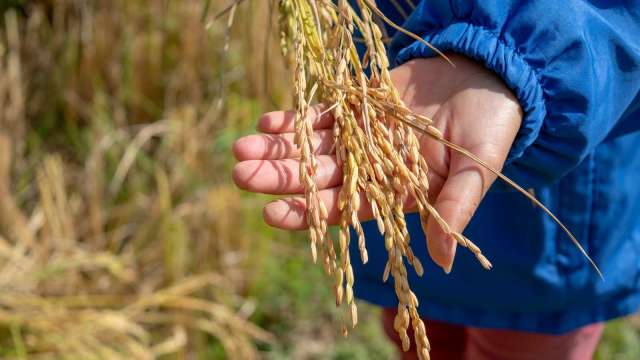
x: 548, y: 91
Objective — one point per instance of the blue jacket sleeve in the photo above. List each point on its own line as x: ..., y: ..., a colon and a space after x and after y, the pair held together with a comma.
x: 574, y: 66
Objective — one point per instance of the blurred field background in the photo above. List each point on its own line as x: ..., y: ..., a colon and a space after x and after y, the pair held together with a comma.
x: 121, y: 235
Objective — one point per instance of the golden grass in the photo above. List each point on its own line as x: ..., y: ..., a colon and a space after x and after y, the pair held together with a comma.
x: 117, y: 224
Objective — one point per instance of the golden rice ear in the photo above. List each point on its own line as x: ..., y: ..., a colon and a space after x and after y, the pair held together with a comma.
x: 377, y: 152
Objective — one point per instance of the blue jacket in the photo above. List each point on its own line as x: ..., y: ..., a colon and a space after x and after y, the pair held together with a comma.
x: 575, y: 68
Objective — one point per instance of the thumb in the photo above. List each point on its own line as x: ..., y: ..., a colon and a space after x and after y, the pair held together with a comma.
x: 456, y: 203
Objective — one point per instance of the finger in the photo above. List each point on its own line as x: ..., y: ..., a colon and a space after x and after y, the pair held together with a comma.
x: 284, y: 121
x: 290, y: 213
x: 457, y: 202
x: 279, y: 146
x: 281, y: 177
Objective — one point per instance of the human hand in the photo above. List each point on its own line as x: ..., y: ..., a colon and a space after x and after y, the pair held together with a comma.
x: 470, y: 106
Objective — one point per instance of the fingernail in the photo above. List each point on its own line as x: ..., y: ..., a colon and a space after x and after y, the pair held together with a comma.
x: 447, y: 270
x: 452, y: 250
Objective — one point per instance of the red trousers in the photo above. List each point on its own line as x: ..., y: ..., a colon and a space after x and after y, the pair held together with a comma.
x: 455, y: 342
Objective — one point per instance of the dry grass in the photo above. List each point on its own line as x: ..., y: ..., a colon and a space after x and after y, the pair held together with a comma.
x: 116, y: 223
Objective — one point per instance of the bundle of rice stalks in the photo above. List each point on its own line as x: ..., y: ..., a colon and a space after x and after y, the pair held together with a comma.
x: 376, y: 146
x: 117, y: 232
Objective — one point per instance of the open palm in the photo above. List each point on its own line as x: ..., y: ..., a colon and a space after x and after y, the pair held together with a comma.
x: 469, y: 105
